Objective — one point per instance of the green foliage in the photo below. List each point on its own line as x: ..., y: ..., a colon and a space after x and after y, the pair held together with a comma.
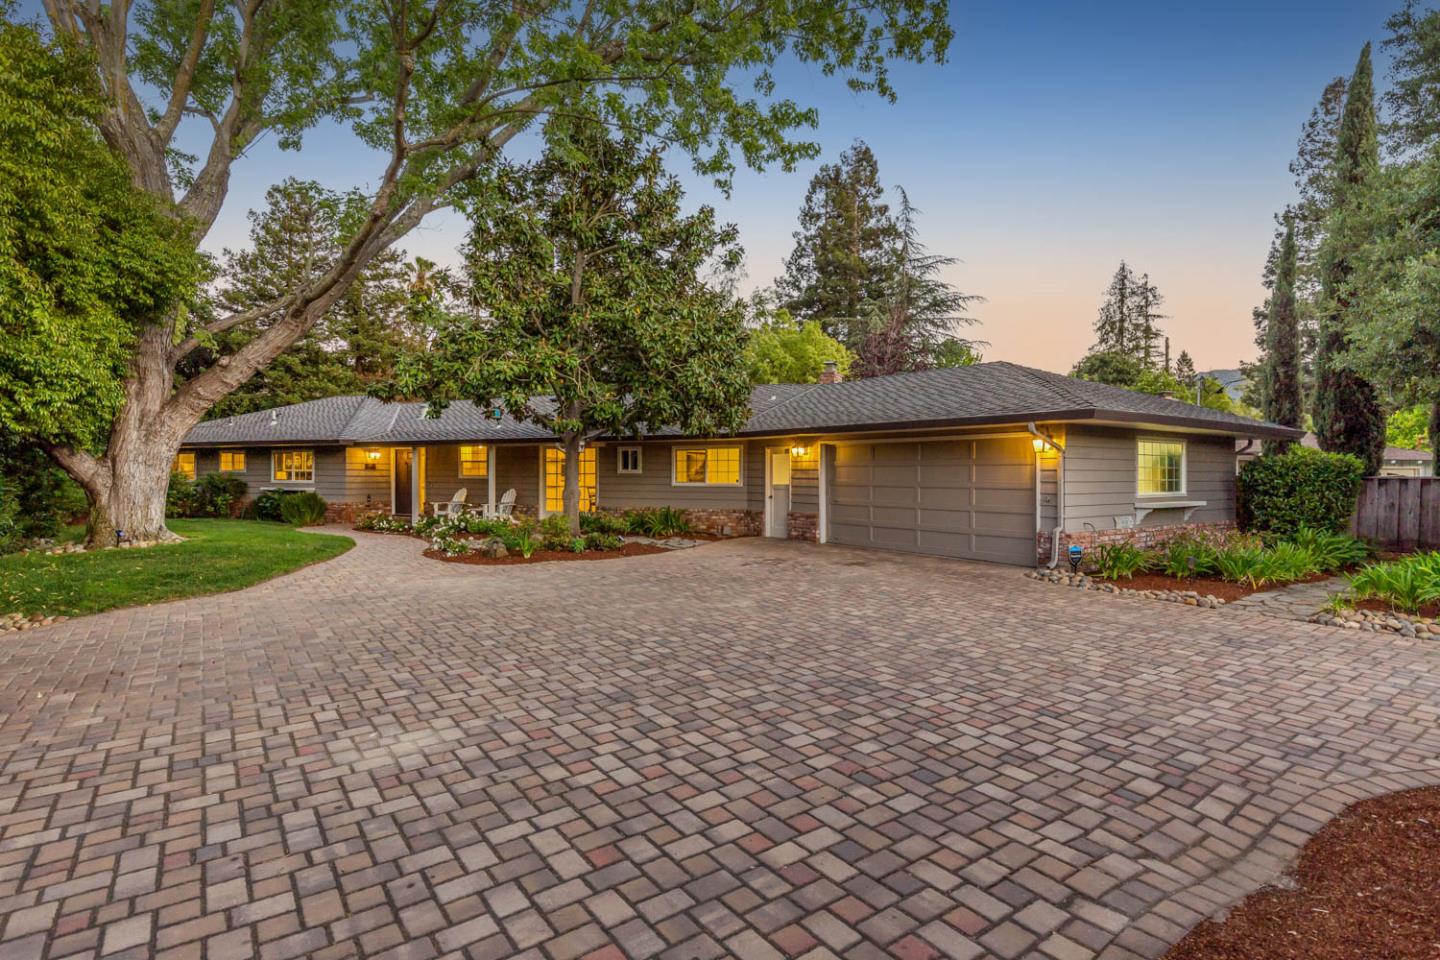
x: 525, y: 542
x: 1120, y: 561
x: 266, y: 506
x: 1239, y: 562
x: 85, y: 259
x: 211, y: 495
x: 1409, y: 427
x: 1282, y: 391
x: 303, y: 508
x: 1406, y: 584
x: 179, y: 496
x: 383, y: 523
x: 1281, y: 493
x: 1332, y: 552
x: 217, y: 555
x: 1285, y: 562
x: 448, y: 545
x: 602, y: 523
x: 44, y: 498
x: 592, y: 278
x: 1109, y: 366
x: 600, y: 540
x: 577, y: 545
x: 11, y: 538
x: 1186, y: 556
x: 782, y: 350
x: 657, y: 522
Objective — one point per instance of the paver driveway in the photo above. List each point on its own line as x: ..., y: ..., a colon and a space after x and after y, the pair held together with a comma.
x: 754, y: 748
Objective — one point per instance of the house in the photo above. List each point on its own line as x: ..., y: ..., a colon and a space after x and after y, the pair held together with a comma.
x: 984, y: 462
x: 1397, y: 462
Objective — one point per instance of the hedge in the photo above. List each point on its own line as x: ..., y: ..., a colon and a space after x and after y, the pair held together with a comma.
x: 1301, y: 487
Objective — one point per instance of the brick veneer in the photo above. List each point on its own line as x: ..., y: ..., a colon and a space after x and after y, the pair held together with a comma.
x: 803, y: 526
x: 351, y: 512
x: 1143, y: 537
x: 740, y: 523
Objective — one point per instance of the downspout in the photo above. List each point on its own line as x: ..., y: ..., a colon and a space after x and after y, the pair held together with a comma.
x: 1049, y: 441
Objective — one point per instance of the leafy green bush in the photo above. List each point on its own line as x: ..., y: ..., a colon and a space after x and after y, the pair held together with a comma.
x: 214, y: 494
x: 602, y: 523
x: 450, y: 546
x: 1333, y: 552
x: 656, y: 522
x: 44, y: 496
x: 1406, y: 584
x: 1299, y: 488
x: 1240, y: 562
x: 383, y: 523
x: 302, y: 508
x: 526, y: 542
x: 266, y: 506
x: 11, y: 538
x: 179, y: 496
x: 1186, y: 556
x: 1286, y: 563
x: 1120, y: 561
x: 603, y: 541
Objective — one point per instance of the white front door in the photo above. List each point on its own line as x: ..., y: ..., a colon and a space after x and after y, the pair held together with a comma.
x: 777, y: 494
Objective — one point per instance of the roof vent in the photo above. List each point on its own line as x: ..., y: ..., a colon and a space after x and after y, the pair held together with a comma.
x: 274, y: 417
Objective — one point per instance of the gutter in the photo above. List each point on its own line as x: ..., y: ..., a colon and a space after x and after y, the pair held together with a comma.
x: 1049, y: 441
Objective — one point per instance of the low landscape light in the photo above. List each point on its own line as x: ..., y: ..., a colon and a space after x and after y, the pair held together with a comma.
x: 1076, y: 553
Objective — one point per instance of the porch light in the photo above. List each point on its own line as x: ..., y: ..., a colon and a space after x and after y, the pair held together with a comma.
x: 372, y: 458
x: 372, y: 454
x: 799, y: 451
x: 1038, y: 444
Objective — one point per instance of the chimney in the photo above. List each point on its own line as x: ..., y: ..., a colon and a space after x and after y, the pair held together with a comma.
x: 831, y: 373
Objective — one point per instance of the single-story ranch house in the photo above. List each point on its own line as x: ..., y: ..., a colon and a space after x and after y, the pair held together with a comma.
x: 985, y: 462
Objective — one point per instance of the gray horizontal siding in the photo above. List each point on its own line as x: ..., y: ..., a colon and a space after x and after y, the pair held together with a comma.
x: 1100, y: 478
x: 654, y: 486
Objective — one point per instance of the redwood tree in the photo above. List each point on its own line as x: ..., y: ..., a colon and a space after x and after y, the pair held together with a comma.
x: 440, y: 89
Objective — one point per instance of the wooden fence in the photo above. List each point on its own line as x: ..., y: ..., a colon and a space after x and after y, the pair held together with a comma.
x: 1399, y: 513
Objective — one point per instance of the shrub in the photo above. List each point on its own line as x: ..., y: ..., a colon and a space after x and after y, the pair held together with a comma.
x: 603, y: 541
x: 1239, y: 562
x: 267, y: 505
x: 577, y: 544
x: 1186, y: 556
x: 1299, y: 488
x: 1333, y: 552
x: 657, y: 522
x: 1285, y: 563
x: 214, y: 494
x: 383, y: 523
x: 1407, y: 584
x: 525, y: 542
x: 1120, y: 561
x: 10, y: 535
x: 44, y: 497
x: 179, y: 496
x: 302, y: 508
x: 602, y: 523
x: 450, y: 546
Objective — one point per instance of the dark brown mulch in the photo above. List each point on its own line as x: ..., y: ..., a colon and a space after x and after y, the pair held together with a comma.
x: 545, y: 556
x: 1214, y: 586
x: 1380, y: 606
x: 1367, y: 887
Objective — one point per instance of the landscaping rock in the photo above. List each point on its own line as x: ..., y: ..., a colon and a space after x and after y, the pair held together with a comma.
x: 492, y: 548
x: 1083, y: 582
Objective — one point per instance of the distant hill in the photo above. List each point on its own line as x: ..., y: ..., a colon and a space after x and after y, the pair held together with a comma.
x: 1232, y: 379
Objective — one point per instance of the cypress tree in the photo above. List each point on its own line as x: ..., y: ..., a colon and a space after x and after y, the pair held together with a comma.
x: 1348, y: 415
x: 1282, y: 346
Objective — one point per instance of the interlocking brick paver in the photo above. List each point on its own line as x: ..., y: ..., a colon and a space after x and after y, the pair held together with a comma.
x: 754, y: 749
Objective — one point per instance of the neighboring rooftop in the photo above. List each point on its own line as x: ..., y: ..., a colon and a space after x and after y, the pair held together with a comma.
x: 1392, y: 454
x: 996, y: 392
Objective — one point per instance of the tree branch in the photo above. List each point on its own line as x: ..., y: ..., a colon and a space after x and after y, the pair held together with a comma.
x: 185, y: 75
x: 88, y: 471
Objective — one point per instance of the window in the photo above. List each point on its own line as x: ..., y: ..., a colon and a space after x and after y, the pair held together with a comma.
x: 709, y: 465
x: 184, y: 463
x: 292, y: 466
x: 1160, y: 467
x: 232, y: 461
x: 555, y: 480
x: 629, y: 460
x: 474, y: 461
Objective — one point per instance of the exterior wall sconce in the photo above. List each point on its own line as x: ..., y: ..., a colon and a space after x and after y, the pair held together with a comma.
x: 799, y: 451
x: 1038, y: 444
x: 372, y: 459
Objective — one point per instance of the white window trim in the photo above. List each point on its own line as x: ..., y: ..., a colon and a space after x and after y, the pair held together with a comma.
x: 244, y: 460
x: 314, y: 466
x: 460, y: 473
x: 675, y: 480
x: 1184, y: 469
x: 639, y: 459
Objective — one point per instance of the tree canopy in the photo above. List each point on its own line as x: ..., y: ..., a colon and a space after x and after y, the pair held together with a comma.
x: 781, y: 349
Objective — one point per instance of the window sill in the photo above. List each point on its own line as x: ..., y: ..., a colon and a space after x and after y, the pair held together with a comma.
x: 1145, y: 505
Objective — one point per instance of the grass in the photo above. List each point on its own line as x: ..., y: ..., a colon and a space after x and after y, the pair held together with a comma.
x: 218, y: 556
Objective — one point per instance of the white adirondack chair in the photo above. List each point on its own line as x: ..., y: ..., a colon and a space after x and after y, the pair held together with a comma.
x: 502, y: 510
x: 455, y: 506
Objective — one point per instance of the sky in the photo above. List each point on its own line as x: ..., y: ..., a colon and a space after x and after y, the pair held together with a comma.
x: 1057, y: 139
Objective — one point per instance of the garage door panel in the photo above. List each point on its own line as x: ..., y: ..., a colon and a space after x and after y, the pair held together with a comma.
x: 972, y: 499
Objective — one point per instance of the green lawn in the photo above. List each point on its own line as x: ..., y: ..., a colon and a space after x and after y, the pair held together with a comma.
x: 218, y: 555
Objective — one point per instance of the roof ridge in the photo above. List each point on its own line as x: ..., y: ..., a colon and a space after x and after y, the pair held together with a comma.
x: 1043, y: 378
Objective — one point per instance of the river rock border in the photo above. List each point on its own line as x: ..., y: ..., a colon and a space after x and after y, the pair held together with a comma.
x: 1375, y: 621
x: 1081, y: 581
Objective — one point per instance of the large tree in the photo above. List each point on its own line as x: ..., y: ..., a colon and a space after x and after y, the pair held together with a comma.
x: 1348, y: 416
x: 595, y: 316
x: 919, y: 314
x: 1148, y: 335
x: 440, y: 90
x: 840, y: 270
x: 1281, y: 392
x: 1115, y: 327
x: 781, y: 349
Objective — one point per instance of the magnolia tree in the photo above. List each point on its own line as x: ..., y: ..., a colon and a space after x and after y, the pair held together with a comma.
x: 592, y: 311
x: 438, y: 90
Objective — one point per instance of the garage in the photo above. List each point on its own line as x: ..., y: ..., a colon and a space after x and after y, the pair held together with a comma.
x: 971, y: 499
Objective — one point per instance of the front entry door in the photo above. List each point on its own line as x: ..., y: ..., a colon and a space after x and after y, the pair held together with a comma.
x: 404, y: 505
x: 777, y: 496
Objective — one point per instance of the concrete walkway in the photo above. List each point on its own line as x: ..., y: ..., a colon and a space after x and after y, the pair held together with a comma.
x: 753, y: 749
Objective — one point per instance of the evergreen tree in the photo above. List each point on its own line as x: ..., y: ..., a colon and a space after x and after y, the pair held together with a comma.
x: 1184, y: 368
x: 1282, y: 397
x: 921, y: 312
x: 1115, y: 327
x: 1147, y: 322
x: 841, y: 268
x: 1348, y: 416
x: 1414, y: 94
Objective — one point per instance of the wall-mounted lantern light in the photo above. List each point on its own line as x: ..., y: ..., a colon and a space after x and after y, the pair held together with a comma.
x: 799, y: 451
x: 372, y: 458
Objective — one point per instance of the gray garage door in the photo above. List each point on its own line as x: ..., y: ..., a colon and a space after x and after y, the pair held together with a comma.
x: 952, y: 498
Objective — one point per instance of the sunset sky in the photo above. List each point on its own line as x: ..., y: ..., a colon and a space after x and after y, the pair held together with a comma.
x: 1059, y: 138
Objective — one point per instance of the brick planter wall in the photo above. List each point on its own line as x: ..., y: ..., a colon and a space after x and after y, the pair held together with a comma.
x: 741, y: 523
x: 1142, y: 537
x: 804, y: 526
x: 351, y: 512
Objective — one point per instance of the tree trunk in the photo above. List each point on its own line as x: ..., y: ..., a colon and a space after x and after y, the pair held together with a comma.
x: 572, y: 482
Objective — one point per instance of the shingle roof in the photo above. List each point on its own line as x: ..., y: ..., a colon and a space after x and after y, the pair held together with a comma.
x: 1391, y: 453
x: 995, y: 392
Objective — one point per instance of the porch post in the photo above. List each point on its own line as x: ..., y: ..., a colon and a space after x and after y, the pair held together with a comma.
x: 490, y: 474
x: 415, y: 505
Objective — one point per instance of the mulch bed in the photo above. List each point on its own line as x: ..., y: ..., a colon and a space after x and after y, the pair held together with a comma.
x: 1380, y: 606
x: 1214, y: 586
x: 546, y: 556
x: 1366, y: 887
